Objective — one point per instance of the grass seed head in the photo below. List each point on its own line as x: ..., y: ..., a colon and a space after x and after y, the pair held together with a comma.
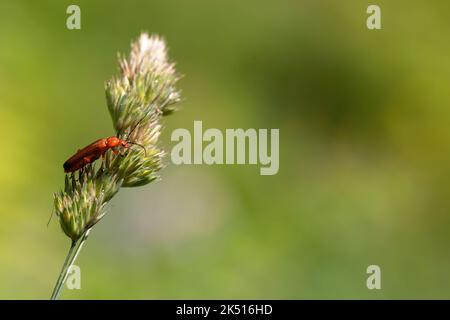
x: 137, y: 99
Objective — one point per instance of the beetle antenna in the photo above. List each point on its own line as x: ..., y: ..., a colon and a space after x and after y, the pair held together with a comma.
x: 140, y: 145
x: 135, y: 126
x: 143, y: 117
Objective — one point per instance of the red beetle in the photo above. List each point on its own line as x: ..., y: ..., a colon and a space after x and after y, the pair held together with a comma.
x: 97, y: 149
x: 92, y: 152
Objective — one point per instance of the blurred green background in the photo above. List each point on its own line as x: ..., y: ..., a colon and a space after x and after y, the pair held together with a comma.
x: 364, y: 150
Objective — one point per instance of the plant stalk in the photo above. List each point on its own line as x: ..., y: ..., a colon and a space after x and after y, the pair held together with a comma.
x: 72, y: 255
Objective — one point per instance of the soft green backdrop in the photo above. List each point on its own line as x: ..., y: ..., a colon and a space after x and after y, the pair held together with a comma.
x: 364, y: 119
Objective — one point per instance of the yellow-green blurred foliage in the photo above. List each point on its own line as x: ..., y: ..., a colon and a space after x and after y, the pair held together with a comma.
x: 364, y: 119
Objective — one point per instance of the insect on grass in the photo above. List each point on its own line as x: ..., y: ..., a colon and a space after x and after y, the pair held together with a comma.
x: 96, y: 150
x: 137, y: 99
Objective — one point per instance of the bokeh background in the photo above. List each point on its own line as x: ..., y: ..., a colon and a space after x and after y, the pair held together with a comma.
x: 364, y: 176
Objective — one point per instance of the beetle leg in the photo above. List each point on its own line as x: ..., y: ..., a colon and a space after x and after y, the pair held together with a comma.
x: 117, y: 152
